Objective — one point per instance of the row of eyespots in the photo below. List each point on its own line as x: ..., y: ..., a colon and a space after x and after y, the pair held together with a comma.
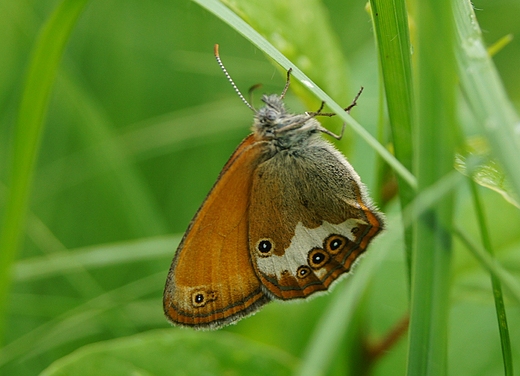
x: 317, y: 258
x: 333, y: 244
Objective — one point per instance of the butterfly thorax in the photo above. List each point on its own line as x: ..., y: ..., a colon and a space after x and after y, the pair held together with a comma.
x: 282, y: 129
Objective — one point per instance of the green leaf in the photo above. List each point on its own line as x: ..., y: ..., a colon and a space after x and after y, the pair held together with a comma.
x: 175, y: 352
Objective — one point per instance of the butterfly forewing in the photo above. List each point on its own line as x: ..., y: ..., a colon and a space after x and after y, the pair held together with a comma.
x: 212, y: 281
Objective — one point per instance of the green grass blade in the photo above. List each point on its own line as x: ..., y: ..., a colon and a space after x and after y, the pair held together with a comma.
x: 497, y: 286
x: 225, y: 14
x: 44, y: 62
x: 485, y: 93
x: 508, y: 280
x: 486, y: 96
x: 390, y: 20
x: 435, y: 102
x: 393, y: 42
x: 98, y: 256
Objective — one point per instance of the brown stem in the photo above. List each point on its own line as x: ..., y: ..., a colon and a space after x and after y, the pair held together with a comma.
x: 378, y: 349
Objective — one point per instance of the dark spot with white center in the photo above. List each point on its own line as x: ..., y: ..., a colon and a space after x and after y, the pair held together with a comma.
x: 265, y: 247
x: 335, y: 243
x: 317, y: 258
x: 303, y: 271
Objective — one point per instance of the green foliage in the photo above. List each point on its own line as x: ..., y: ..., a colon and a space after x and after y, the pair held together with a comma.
x: 129, y: 120
x: 162, y: 352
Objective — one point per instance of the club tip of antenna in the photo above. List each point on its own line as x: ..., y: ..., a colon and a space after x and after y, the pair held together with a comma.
x: 215, y: 50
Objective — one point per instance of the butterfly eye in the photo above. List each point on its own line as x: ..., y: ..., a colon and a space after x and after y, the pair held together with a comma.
x: 334, y: 244
x: 317, y: 258
x: 265, y: 247
x: 271, y: 115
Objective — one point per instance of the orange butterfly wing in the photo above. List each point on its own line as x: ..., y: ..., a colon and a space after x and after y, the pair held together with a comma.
x: 212, y: 281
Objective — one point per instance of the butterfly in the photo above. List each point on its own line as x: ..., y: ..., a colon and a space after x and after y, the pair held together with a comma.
x: 287, y: 216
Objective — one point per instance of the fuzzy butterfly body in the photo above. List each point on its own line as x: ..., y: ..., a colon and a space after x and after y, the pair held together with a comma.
x: 286, y: 218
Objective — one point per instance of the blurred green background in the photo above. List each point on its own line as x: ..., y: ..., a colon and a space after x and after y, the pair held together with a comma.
x: 140, y: 122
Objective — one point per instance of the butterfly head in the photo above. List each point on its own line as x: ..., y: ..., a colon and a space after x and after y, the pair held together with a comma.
x: 274, y: 122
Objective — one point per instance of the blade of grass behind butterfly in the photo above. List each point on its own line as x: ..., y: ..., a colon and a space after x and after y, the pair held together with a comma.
x: 435, y: 137
x: 44, y: 62
x: 508, y: 280
x: 222, y: 12
x: 98, y: 256
x: 485, y: 93
x: 495, y: 282
x: 393, y: 43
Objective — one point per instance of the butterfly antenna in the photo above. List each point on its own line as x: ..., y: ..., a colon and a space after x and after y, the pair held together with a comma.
x: 217, y: 56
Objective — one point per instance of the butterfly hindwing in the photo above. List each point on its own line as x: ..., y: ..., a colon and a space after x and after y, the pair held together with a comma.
x: 316, y: 220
